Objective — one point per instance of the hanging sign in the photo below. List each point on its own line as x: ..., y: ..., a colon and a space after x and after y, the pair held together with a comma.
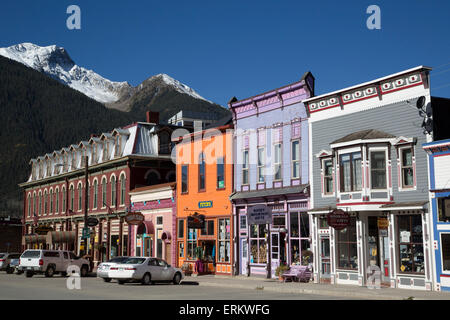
x: 196, y: 221
x: 383, y: 223
x: 259, y: 214
x: 338, y: 219
x: 92, y: 222
x: 43, y: 230
x: 134, y: 218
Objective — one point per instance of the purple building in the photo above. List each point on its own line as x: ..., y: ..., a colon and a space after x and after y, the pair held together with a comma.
x: 271, y: 168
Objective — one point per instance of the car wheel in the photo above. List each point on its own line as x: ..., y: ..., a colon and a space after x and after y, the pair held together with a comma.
x: 146, y: 279
x: 29, y: 274
x: 121, y: 281
x: 84, y: 271
x: 107, y: 279
x: 64, y: 274
x: 177, y: 278
x: 19, y: 272
x: 9, y: 270
x: 50, y: 272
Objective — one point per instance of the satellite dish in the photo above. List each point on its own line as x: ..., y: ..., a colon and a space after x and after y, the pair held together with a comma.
x: 429, y: 110
x: 420, y: 102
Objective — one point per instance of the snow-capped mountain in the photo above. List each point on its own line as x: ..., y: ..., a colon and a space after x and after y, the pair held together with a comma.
x: 56, y: 63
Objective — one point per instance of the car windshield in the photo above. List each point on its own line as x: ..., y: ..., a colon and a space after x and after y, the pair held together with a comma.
x: 119, y: 259
x: 134, y: 261
x: 31, y: 254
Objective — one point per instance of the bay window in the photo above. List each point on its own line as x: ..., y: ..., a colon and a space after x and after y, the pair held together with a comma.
x: 351, y: 172
x: 378, y: 169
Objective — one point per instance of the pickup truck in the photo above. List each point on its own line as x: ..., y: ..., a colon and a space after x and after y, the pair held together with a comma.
x: 50, y: 262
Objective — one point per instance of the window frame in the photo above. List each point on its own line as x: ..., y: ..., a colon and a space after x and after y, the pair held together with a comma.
x: 386, y: 166
x: 186, y: 183
x: 298, y: 161
x: 220, y: 162
x: 325, y: 177
x: 410, y: 243
x: 261, y: 241
x: 278, y: 164
x: 349, y: 242
x: 245, y: 166
x: 261, y: 165
x: 201, y: 172
x: 402, y: 186
x: 352, y: 178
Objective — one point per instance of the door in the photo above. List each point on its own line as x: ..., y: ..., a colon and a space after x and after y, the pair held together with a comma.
x: 148, y: 244
x: 168, y: 253
x: 325, y: 257
x: 244, y: 255
x: 275, y: 251
x: 155, y: 269
x: 385, y: 256
x: 165, y: 271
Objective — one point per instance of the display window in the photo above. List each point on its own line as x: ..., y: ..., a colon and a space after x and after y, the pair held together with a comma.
x: 258, y: 251
x: 346, y: 243
x: 224, y: 240
x: 410, y: 248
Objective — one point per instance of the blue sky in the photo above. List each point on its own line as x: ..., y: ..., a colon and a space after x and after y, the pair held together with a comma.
x: 241, y: 48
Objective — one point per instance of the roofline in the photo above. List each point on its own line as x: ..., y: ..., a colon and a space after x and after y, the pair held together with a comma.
x: 193, y: 134
x: 366, y: 83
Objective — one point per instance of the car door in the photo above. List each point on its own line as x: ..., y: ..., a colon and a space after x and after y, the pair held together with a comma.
x: 65, y: 261
x: 166, y: 273
x: 154, y: 268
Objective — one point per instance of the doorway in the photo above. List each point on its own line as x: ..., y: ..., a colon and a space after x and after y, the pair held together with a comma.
x: 325, y: 263
x: 244, y: 255
x: 277, y: 250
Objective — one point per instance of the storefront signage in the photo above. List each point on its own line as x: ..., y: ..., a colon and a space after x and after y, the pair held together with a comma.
x: 92, y: 222
x: 196, y: 221
x: 259, y: 214
x: 338, y: 219
x: 86, y: 233
x: 205, y: 204
x: 383, y: 223
x: 43, y: 230
x: 134, y: 218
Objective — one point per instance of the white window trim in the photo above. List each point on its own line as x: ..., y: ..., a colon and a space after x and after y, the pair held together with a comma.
x: 299, y: 160
x: 263, y: 166
x: 337, y: 164
x: 278, y: 163
x: 247, y: 168
x: 400, y: 170
x: 156, y: 221
x: 333, y: 176
x: 377, y: 149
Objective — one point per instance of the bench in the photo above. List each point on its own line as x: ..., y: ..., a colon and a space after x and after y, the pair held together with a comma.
x: 297, y: 273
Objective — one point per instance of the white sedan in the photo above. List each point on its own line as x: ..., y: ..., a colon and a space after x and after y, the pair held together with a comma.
x: 103, y: 268
x: 145, y: 270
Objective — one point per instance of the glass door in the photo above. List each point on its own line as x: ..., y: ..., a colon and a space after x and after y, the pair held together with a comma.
x: 385, y: 256
x: 325, y: 257
x: 275, y: 251
x: 244, y: 254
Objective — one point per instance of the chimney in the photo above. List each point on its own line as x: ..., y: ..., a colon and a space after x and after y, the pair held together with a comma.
x: 152, y: 117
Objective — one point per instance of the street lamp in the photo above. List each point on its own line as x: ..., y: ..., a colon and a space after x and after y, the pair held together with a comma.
x: 86, y: 171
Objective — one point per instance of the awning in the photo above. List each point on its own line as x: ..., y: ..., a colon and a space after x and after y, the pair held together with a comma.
x: 165, y: 236
x: 146, y: 227
x: 60, y: 237
x: 33, y: 239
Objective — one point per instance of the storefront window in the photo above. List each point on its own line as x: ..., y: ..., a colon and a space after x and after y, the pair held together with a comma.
x: 445, y: 245
x: 181, y: 249
x: 410, y: 244
x: 224, y: 240
x: 191, y: 243
x: 443, y: 209
x: 208, y: 230
x: 258, y: 251
x: 300, y: 246
x: 347, y: 247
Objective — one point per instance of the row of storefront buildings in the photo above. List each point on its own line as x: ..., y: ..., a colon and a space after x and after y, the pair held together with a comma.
x: 374, y: 154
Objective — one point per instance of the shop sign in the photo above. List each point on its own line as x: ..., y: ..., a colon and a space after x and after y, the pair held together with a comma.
x: 259, y: 214
x: 205, y: 204
x: 92, y: 222
x: 134, y: 218
x: 338, y: 219
x: 43, y: 230
x: 383, y: 223
x: 86, y: 233
x: 196, y: 221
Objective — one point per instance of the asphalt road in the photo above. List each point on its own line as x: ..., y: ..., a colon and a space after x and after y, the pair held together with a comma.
x: 18, y: 287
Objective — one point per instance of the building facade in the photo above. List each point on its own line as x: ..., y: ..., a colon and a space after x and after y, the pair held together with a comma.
x: 271, y: 169
x: 439, y: 170
x: 366, y: 160
x: 156, y: 236
x: 204, y: 182
x: 118, y: 161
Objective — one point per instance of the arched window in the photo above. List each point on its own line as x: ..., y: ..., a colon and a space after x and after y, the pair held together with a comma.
x: 72, y: 197
x: 45, y: 203
x: 64, y: 196
x: 40, y: 203
x: 104, y: 192
x: 201, y: 172
x: 113, y: 191
x: 122, y: 189
x: 94, y: 205
x: 51, y: 201
x: 29, y: 205
x: 80, y: 195
x: 34, y: 204
x: 57, y: 201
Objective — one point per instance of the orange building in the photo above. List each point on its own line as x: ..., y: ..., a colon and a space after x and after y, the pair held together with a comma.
x: 204, y: 183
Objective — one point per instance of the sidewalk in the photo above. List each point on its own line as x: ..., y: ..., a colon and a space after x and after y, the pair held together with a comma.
x: 350, y: 291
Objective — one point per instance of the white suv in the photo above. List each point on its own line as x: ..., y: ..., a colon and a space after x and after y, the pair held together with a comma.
x: 50, y: 262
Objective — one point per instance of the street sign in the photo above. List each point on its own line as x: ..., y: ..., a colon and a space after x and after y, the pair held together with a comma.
x: 86, y: 233
x: 259, y: 214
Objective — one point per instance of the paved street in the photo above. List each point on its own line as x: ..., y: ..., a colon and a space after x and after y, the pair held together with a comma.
x: 38, y: 287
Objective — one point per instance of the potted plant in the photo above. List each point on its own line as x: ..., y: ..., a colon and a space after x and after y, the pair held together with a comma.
x: 282, y: 268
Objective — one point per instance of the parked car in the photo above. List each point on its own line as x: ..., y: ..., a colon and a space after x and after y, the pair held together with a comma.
x: 103, y: 268
x: 146, y: 271
x: 5, y: 261
x: 49, y: 262
x: 14, y: 264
